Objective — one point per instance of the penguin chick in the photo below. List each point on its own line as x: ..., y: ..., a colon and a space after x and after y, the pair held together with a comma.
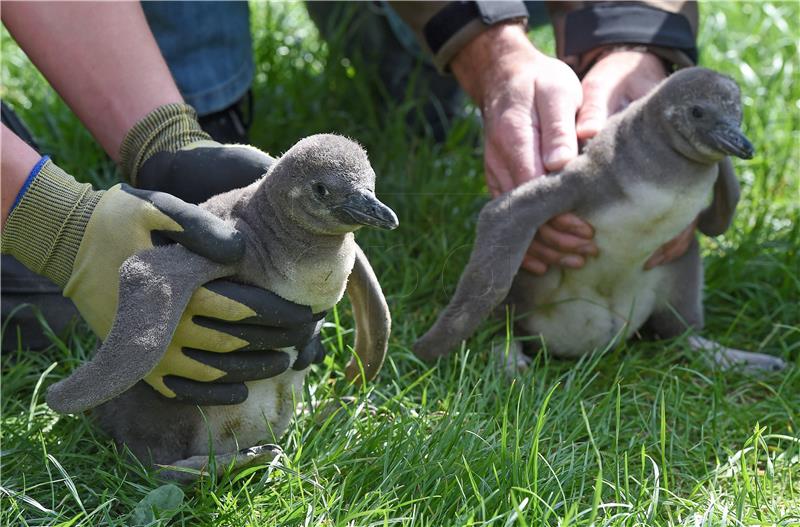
x: 639, y: 182
x: 297, y: 223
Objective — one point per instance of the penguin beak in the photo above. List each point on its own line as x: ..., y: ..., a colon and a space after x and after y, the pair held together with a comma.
x: 363, y: 208
x: 729, y: 139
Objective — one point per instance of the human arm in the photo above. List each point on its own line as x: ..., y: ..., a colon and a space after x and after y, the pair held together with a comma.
x: 528, y: 102
x: 104, y: 62
x: 100, y: 57
x: 621, y: 50
x: 16, y: 161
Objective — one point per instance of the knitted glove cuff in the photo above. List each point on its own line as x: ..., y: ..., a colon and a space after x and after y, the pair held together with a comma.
x: 44, y: 231
x: 168, y: 128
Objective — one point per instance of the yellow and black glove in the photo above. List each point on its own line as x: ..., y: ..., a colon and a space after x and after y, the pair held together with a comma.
x: 169, y: 152
x: 79, y: 237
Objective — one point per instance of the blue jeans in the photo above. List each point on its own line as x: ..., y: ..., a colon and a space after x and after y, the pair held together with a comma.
x: 208, y: 49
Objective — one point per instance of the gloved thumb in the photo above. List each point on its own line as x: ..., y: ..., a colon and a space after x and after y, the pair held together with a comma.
x: 202, y: 232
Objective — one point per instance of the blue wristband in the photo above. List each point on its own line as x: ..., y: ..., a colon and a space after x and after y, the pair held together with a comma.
x: 34, y: 172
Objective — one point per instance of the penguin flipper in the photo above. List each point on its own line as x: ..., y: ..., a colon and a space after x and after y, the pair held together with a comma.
x: 373, y: 320
x: 506, y: 227
x: 155, y: 287
x: 717, y: 217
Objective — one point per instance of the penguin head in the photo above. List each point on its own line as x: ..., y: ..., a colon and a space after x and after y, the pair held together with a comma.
x: 329, y: 186
x: 702, y: 113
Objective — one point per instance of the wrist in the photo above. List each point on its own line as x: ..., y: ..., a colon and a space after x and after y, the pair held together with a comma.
x: 447, y: 26
x: 45, y: 229
x: 490, y: 58
x: 26, y: 184
x: 18, y: 164
x: 604, y: 52
x: 168, y: 128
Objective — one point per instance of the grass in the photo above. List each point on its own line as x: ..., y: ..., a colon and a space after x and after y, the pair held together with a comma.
x: 641, y: 434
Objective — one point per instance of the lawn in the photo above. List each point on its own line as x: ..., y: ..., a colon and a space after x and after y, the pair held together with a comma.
x: 645, y: 433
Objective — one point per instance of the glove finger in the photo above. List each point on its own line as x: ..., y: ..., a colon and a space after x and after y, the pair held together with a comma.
x: 260, y: 337
x: 320, y: 356
x: 309, y: 354
x: 242, y: 366
x: 271, y: 309
x: 206, y: 393
x: 203, y: 232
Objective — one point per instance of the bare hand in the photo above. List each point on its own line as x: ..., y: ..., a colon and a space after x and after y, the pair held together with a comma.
x: 673, y: 249
x: 528, y: 102
x: 616, y: 80
x: 529, y: 119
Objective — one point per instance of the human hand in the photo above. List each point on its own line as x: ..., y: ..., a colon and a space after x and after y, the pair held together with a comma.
x: 528, y: 102
x: 79, y: 238
x: 617, y: 79
x: 169, y: 152
x: 673, y: 249
x: 231, y: 333
x: 227, y: 330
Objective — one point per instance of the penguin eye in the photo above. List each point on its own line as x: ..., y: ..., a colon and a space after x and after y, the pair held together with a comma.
x: 697, y: 112
x: 320, y: 190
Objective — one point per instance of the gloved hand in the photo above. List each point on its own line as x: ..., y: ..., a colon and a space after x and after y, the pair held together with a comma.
x: 228, y: 334
x: 169, y: 152
x: 78, y: 238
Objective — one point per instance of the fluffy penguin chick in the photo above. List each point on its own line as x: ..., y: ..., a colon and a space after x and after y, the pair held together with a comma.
x: 298, y: 224
x: 640, y: 181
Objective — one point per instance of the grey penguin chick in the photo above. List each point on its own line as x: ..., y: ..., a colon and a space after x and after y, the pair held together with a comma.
x: 639, y: 182
x: 297, y: 223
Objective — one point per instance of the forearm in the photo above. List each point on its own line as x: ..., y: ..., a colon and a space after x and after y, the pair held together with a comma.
x: 16, y: 161
x: 100, y: 57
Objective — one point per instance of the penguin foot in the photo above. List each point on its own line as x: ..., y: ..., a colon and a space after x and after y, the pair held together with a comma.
x: 729, y: 358
x: 428, y: 349
x: 513, y: 359
x: 191, y: 469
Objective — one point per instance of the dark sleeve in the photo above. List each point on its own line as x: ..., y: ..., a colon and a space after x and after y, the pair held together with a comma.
x: 584, y: 29
x: 443, y: 28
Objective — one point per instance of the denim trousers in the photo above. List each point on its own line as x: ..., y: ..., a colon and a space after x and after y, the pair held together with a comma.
x: 208, y: 47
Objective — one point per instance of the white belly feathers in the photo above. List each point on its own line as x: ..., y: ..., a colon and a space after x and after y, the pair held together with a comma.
x: 577, y: 311
x: 270, y: 404
x: 263, y: 417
